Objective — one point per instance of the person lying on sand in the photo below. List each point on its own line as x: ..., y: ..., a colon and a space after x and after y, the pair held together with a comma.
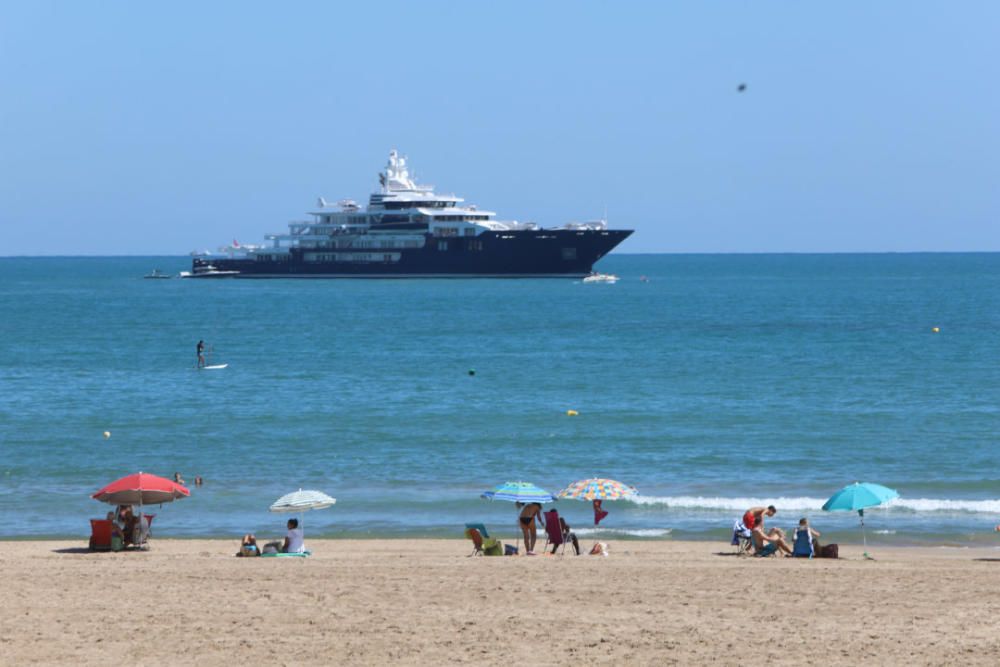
x: 767, y: 544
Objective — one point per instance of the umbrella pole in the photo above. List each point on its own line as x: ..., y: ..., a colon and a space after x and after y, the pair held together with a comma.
x: 864, y: 539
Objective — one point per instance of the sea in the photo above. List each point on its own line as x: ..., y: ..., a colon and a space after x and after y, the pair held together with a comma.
x: 710, y: 383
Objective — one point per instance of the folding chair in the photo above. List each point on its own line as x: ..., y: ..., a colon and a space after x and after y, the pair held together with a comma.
x: 554, y: 533
x: 100, y: 535
x: 143, y: 530
x: 482, y: 543
x: 742, y: 539
x: 803, y: 546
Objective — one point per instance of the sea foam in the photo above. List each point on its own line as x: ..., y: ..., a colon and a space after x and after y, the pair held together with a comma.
x: 806, y: 503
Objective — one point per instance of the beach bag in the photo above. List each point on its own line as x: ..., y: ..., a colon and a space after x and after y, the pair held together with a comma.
x: 116, y: 543
x: 509, y: 550
x: 829, y: 551
x: 492, y: 547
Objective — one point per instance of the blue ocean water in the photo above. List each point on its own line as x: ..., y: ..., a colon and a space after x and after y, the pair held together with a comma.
x: 720, y: 382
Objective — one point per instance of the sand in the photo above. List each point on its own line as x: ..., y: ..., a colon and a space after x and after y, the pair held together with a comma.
x: 424, y: 602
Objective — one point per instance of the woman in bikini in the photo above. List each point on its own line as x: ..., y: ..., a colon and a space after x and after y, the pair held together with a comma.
x: 530, y: 515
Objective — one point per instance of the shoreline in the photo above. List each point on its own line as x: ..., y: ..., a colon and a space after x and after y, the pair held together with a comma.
x: 361, y: 602
x: 990, y: 541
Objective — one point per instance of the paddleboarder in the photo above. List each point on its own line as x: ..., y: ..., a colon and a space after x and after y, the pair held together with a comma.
x: 201, y: 354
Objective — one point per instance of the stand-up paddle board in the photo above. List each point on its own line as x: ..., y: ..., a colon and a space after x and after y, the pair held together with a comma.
x: 217, y: 367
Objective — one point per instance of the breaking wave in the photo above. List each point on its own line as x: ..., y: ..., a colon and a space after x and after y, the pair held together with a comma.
x: 634, y: 532
x: 806, y: 503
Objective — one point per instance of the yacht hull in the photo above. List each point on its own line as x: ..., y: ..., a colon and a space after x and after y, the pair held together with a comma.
x: 568, y: 253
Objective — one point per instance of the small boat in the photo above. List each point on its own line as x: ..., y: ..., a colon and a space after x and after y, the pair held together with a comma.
x: 609, y: 278
x: 157, y: 275
x: 208, y: 271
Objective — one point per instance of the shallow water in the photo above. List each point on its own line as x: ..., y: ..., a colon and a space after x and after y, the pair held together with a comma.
x: 723, y: 381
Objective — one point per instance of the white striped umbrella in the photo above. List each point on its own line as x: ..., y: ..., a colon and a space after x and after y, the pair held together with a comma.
x: 300, y: 501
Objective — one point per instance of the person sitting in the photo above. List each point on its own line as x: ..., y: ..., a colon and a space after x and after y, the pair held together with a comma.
x: 568, y: 536
x: 769, y: 543
x: 248, y: 546
x: 295, y: 539
x: 116, y: 531
x: 129, y: 524
x: 806, y: 545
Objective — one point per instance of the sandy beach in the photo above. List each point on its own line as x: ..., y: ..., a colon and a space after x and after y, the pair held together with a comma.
x: 425, y: 602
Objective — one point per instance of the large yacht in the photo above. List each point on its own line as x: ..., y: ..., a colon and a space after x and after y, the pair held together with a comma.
x: 408, y: 231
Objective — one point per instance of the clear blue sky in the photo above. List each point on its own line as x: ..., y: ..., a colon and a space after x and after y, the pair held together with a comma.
x: 142, y: 128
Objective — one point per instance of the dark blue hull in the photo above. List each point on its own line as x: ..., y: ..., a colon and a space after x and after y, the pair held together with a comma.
x: 522, y: 253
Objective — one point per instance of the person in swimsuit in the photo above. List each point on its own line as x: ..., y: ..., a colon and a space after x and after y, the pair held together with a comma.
x: 201, y: 353
x: 765, y: 544
x: 531, y: 515
x: 754, y: 517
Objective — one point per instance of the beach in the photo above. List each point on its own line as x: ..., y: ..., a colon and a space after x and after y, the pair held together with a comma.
x: 422, y: 601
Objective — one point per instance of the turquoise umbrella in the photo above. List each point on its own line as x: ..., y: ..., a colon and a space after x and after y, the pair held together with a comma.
x: 856, y: 497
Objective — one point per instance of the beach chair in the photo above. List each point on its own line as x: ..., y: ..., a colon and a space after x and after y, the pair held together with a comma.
x: 143, y: 531
x: 481, y: 544
x: 803, y: 547
x: 100, y: 535
x: 742, y: 538
x: 554, y: 533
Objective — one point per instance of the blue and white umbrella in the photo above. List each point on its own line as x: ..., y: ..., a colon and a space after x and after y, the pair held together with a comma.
x: 519, y: 492
x: 300, y: 501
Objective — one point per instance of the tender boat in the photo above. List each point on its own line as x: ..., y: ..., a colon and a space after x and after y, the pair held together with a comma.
x: 208, y: 271
x: 609, y: 278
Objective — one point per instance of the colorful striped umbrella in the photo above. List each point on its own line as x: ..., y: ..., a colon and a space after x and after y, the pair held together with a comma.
x: 598, y: 489
x: 519, y: 492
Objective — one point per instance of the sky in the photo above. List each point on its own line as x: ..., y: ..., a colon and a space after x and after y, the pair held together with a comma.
x: 161, y: 128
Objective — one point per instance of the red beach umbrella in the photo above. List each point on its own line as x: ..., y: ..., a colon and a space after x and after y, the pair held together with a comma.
x: 141, y: 488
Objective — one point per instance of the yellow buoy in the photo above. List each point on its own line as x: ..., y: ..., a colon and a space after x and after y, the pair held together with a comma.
x: 936, y: 330
x: 572, y: 413
x: 107, y: 434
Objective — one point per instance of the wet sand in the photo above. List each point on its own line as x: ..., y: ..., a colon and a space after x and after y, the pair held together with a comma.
x: 424, y: 602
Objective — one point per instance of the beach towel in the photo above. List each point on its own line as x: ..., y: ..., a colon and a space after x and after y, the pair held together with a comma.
x: 299, y: 554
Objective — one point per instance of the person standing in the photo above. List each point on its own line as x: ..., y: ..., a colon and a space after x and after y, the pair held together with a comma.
x: 201, y: 354
x: 530, y: 514
x: 754, y: 517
